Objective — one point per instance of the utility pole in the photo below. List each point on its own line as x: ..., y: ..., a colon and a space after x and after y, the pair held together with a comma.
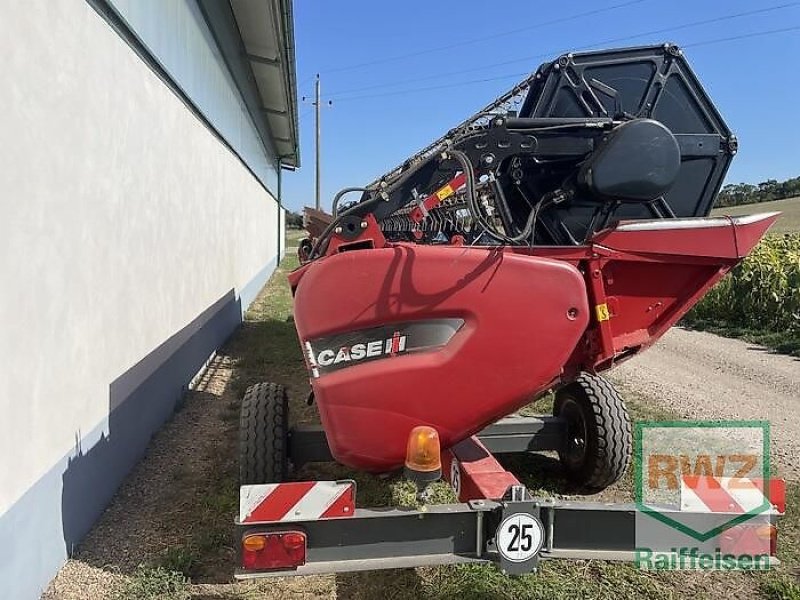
x: 318, y: 111
x: 318, y: 105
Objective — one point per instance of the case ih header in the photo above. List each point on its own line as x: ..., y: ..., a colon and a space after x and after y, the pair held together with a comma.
x: 561, y: 230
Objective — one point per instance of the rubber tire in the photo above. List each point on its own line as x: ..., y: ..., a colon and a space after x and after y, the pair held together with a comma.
x: 263, y: 434
x: 607, y: 427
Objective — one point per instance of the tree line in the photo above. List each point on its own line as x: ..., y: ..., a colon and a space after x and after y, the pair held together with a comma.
x: 731, y: 194
x: 734, y: 194
x: 294, y: 220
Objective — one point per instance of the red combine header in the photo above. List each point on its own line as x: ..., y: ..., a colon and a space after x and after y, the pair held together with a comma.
x: 561, y: 230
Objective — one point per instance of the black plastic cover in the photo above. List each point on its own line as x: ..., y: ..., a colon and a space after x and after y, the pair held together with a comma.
x: 638, y: 161
x: 652, y: 82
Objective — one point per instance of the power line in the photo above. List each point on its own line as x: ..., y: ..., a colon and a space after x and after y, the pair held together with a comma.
x: 585, y: 47
x: 308, y: 79
x: 439, y: 76
x: 483, y: 38
x: 695, y: 24
x: 435, y: 87
x: 302, y: 84
x: 743, y: 36
x: 522, y: 74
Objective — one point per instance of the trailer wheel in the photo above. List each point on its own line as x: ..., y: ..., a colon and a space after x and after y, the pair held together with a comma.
x: 263, y: 428
x: 597, y: 446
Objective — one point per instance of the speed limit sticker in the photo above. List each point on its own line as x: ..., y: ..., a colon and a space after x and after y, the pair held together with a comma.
x: 519, y: 537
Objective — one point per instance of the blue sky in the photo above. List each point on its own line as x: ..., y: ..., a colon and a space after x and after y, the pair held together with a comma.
x: 376, y: 57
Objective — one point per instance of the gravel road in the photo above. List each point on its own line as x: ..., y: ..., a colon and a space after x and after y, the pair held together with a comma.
x: 704, y: 376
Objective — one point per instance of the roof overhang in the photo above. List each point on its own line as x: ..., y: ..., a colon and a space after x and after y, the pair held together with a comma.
x: 256, y: 39
x: 267, y: 32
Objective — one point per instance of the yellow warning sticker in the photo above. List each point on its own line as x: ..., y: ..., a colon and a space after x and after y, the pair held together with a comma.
x: 602, y: 312
x: 444, y: 192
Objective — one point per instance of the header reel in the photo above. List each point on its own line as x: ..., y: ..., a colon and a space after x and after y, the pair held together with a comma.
x: 587, y: 140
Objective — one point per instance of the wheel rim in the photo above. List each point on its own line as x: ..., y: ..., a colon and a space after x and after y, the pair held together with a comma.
x: 574, y: 452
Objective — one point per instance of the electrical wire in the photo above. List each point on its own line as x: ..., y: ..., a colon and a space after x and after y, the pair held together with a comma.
x: 436, y: 87
x: 381, y: 61
x: 743, y: 36
x: 525, y: 73
x: 338, y: 95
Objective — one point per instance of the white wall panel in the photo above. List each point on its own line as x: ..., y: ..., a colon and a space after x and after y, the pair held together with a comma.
x: 122, y: 219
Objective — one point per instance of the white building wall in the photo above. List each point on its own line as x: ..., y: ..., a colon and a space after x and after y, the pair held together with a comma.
x: 181, y: 42
x: 126, y: 229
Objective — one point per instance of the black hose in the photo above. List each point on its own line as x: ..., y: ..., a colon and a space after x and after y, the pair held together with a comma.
x: 323, y: 238
x: 472, y: 203
x: 338, y: 196
x: 377, y: 198
x: 475, y: 208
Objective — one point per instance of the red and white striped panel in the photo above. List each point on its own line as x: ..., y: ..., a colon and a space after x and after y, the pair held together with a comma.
x: 296, y: 501
x: 729, y: 494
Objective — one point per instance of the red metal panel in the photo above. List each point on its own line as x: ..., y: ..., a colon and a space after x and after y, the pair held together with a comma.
x: 477, y: 475
x: 523, y: 317
x: 717, y: 237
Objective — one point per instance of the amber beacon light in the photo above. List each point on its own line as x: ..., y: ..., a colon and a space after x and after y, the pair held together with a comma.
x: 423, y: 455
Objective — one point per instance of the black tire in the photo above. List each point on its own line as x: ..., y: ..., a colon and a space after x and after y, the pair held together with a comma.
x: 263, y: 429
x: 597, y: 446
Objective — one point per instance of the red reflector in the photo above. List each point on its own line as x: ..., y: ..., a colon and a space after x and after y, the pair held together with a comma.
x: 777, y: 494
x: 273, y: 550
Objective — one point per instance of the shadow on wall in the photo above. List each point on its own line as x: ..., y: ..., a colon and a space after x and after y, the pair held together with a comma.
x: 141, y: 400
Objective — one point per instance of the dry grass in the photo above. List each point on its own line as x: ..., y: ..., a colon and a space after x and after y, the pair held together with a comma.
x: 789, y: 221
x: 295, y: 235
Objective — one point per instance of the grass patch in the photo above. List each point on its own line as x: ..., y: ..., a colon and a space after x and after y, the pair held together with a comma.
x: 784, y: 342
x: 554, y: 580
x: 789, y: 529
x: 156, y: 583
x: 295, y: 235
x: 178, y: 559
x: 780, y: 587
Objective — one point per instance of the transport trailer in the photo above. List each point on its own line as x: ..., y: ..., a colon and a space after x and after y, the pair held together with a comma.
x: 559, y: 231
x: 315, y: 527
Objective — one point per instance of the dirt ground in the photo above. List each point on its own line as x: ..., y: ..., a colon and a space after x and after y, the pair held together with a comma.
x: 699, y: 375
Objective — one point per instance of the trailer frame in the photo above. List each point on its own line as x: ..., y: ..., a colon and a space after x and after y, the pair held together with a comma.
x: 362, y: 539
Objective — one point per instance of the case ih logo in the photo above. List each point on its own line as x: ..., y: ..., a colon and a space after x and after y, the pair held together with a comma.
x: 373, y: 349
x: 349, y: 349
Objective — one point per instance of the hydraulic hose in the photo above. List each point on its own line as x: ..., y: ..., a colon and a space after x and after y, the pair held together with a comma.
x: 474, y: 207
x: 376, y: 199
x: 343, y: 192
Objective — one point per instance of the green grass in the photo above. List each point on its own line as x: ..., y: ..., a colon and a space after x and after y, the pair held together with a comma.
x: 158, y: 583
x: 789, y: 221
x: 178, y: 559
x: 783, y: 342
x: 781, y: 587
